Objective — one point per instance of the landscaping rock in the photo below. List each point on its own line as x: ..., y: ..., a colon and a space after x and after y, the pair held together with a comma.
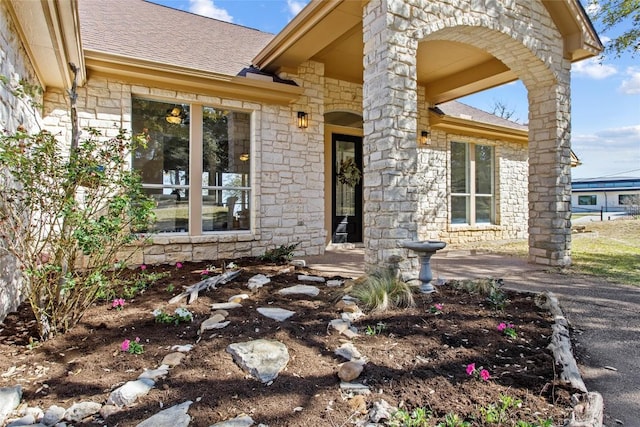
x: 334, y: 283
x: 26, y: 420
x: 238, y: 298
x: 213, y: 322
x: 348, y: 351
x: 381, y: 410
x: 349, y: 371
x: 354, y: 388
x: 79, y: 411
x: 107, y: 410
x: 175, y: 416
x: 262, y: 359
x: 130, y: 392
x: 306, y: 278
x: 279, y: 314
x: 155, y: 374
x: 225, y: 305
x: 240, y: 421
x: 173, y: 359
x: 9, y: 400
x: 53, y: 415
x: 258, y: 281
x: 182, y: 348
x: 308, y: 290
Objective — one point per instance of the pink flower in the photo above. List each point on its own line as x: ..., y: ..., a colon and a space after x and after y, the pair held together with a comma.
x: 204, y: 272
x: 178, y: 265
x: 118, y: 303
x: 137, y: 339
x: 471, y: 368
x: 143, y: 267
x: 484, y: 374
x: 125, y: 345
x: 502, y: 326
x: 438, y: 306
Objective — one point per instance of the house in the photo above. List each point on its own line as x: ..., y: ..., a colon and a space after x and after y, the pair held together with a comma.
x: 337, y: 129
x: 606, y: 194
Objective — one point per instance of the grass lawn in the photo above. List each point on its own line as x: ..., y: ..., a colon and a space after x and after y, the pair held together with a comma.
x: 608, y: 249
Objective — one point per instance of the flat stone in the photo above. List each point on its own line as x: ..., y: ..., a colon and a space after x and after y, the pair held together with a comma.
x: 127, y: 394
x: 262, y: 359
x: 26, y: 420
x: 9, y: 400
x: 225, y: 305
x: 349, y: 371
x: 107, y: 410
x: 155, y: 374
x: 334, y: 283
x: 348, y: 351
x: 279, y: 314
x: 238, y: 298
x: 79, y: 411
x: 381, y: 410
x: 173, y: 359
x: 182, y: 348
x: 175, y: 416
x: 308, y: 290
x: 210, y: 326
x: 258, y: 281
x: 240, y: 421
x: 53, y: 415
x: 223, y: 313
x: 354, y: 388
x: 212, y: 322
x: 307, y: 278
x: 340, y: 325
x: 300, y: 263
x: 351, y: 317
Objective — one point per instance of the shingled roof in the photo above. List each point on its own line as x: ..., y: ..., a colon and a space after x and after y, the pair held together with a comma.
x: 464, y: 111
x: 143, y: 30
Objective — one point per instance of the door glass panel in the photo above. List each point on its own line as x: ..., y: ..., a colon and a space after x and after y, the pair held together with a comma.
x: 345, y: 193
x: 484, y: 168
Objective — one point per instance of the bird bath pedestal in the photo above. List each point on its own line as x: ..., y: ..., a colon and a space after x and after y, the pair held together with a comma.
x: 425, y: 250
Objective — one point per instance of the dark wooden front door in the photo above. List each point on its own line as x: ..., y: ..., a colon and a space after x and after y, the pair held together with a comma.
x: 347, y: 196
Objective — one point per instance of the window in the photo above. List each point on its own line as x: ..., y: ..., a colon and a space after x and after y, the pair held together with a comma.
x: 195, y: 165
x: 629, y: 199
x: 590, y: 200
x: 472, y: 184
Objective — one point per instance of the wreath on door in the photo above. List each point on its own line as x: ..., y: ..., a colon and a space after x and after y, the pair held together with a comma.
x: 348, y: 172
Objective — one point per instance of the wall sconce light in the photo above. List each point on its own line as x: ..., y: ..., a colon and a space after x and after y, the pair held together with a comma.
x: 303, y: 120
x: 424, y: 137
x: 176, y: 115
x: 244, y: 157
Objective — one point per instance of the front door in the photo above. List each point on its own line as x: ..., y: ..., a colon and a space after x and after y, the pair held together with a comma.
x: 347, y: 188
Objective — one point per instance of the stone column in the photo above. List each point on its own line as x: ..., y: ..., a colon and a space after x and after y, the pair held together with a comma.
x: 550, y: 171
x: 390, y: 120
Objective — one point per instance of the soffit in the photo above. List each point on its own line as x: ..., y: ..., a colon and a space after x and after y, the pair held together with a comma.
x: 50, y: 35
x: 330, y: 32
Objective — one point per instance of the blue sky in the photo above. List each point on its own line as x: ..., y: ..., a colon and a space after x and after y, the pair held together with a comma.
x: 605, y: 94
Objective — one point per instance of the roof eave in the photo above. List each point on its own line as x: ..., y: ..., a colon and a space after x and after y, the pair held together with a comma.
x: 476, y: 129
x: 50, y: 33
x: 173, y: 77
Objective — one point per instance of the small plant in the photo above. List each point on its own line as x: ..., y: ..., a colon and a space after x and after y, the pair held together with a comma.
x: 170, y: 288
x: 280, y: 254
x: 436, y: 309
x: 180, y: 315
x: 508, y: 329
x: 478, y: 372
x: 118, y: 304
x: 498, y: 414
x: 375, y: 330
x: 453, y: 420
x: 497, y: 299
x: 383, y: 290
x: 142, y: 282
x: 419, y: 417
x: 133, y: 347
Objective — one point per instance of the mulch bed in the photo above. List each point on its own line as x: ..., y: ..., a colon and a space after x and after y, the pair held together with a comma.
x: 417, y: 359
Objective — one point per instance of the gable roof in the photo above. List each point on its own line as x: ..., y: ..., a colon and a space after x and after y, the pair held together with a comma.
x: 147, y: 31
x: 464, y: 111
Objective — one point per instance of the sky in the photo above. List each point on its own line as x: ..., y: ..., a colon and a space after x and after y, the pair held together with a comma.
x: 605, y: 92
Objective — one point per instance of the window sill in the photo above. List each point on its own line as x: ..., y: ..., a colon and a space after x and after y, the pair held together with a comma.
x: 185, y: 239
x: 478, y: 227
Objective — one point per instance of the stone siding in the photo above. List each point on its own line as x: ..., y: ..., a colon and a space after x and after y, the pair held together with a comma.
x: 287, y: 178
x: 14, y: 111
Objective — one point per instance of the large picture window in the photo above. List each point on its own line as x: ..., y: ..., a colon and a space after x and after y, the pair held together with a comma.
x: 472, y: 184
x: 194, y: 146
x: 588, y: 200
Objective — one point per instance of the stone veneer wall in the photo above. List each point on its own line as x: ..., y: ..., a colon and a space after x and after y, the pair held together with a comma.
x: 287, y: 177
x: 15, y: 66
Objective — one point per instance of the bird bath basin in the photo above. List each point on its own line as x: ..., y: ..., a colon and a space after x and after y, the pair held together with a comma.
x: 425, y: 250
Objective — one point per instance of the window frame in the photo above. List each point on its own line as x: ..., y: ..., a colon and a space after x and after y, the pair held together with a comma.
x: 195, y: 185
x: 471, y: 195
x: 592, y: 198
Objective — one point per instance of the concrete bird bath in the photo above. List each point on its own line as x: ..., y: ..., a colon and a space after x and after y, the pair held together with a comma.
x: 425, y: 250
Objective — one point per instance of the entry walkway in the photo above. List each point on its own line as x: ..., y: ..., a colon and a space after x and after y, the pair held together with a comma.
x: 605, y: 316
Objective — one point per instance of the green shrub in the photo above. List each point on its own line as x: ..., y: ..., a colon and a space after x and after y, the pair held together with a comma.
x: 61, y: 208
x: 383, y: 290
x: 283, y: 253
